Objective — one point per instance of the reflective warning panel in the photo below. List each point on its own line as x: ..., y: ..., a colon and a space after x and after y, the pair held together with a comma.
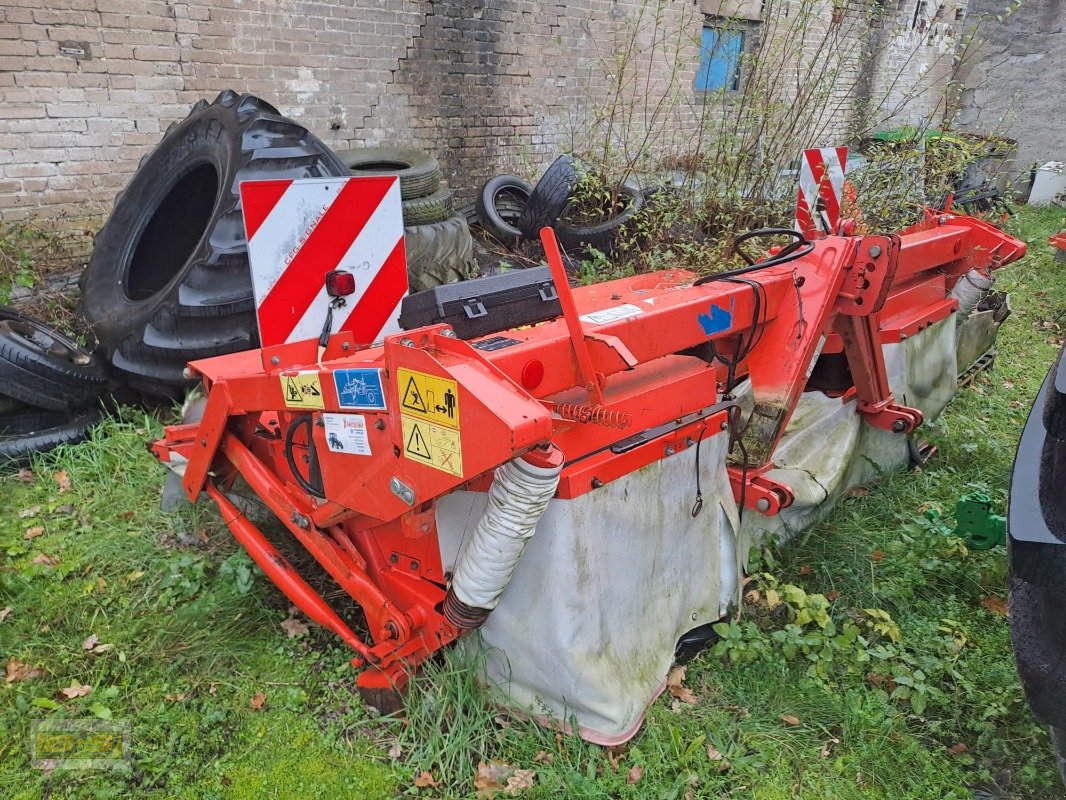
x: 302, y: 390
x: 432, y: 445
x: 429, y: 397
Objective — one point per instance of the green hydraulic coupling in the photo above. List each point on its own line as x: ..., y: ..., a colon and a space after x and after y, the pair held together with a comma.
x: 974, y: 522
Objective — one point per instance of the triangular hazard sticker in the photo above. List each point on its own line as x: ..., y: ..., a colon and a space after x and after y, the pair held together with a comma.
x: 412, y: 399
x: 416, y: 444
x: 292, y: 390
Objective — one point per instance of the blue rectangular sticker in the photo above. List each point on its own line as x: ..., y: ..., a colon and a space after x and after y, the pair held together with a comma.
x: 359, y: 388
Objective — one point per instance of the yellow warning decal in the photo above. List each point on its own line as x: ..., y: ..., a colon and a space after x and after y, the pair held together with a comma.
x: 429, y: 397
x: 302, y: 390
x: 432, y: 445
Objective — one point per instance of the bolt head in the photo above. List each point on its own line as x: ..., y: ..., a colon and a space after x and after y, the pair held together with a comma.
x: 875, y: 251
x: 346, y: 346
x: 762, y: 504
x: 275, y: 360
x: 899, y: 426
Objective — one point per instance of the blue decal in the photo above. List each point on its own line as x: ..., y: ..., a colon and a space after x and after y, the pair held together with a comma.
x: 717, y: 321
x: 359, y: 388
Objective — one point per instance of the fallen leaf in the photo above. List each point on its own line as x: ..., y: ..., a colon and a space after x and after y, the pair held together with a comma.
x: 875, y: 678
x: 293, y: 627
x: 615, y: 756
x: 857, y: 491
x: 76, y: 690
x: 258, y: 701
x: 877, y: 555
x: 176, y: 697
x: 395, y: 751
x: 724, y: 765
x: 1008, y: 384
x: 91, y: 642
x: 62, y: 479
x: 25, y: 475
x: 832, y: 595
x: 45, y: 560
x: 521, y: 779
x: 18, y: 671
x: 34, y: 532
x: 995, y: 604
x: 805, y: 569
x: 202, y: 536
x: 824, y: 752
x: 490, y: 777
x: 543, y: 757
x: 4, y: 613
x: 676, y: 687
x: 958, y: 749
x: 425, y: 780
x: 32, y: 511
x: 740, y: 711
x: 635, y: 774
x: 66, y: 508
x: 788, y: 719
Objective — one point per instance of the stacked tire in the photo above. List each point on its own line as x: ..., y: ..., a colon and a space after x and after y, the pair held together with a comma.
x: 169, y: 281
x: 49, y: 385
x: 437, y: 240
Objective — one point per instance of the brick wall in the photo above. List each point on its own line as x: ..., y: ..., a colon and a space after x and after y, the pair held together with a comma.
x: 88, y: 86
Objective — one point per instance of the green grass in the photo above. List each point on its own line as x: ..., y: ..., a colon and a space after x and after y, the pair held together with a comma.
x: 195, y: 635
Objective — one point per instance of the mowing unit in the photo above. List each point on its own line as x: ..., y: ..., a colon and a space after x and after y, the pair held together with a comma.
x: 571, y: 479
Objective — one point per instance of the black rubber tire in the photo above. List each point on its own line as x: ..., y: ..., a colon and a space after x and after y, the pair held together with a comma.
x: 419, y: 172
x: 439, y: 253
x: 603, y: 237
x: 499, y: 204
x: 549, y: 197
x: 169, y: 271
x: 42, y: 367
x: 437, y: 207
x: 23, y: 433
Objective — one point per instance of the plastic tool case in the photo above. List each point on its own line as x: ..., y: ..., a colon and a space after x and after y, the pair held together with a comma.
x: 485, y: 305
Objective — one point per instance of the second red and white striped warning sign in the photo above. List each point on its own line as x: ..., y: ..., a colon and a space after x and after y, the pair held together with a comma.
x: 298, y: 230
x: 821, y: 189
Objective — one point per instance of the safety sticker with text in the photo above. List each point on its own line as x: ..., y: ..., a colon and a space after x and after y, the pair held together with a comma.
x: 302, y: 390
x: 433, y: 445
x: 611, y: 314
x: 427, y: 396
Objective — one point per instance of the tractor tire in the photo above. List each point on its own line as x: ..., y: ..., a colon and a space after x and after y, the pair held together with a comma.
x: 499, y: 205
x: 44, y: 368
x: 419, y: 172
x: 437, y: 207
x: 604, y: 236
x: 439, y: 253
x: 549, y: 197
x: 24, y: 433
x: 168, y: 279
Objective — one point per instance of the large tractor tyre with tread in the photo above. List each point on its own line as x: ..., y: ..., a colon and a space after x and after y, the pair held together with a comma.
x: 44, y: 368
x: 439, y: 253
x: 169, y: 272
x: 549, y: 197
x: 419, y: 172
x: 23, y: 433
x: 499, y: 204
x: 437, y: 207
x: 603, y: 236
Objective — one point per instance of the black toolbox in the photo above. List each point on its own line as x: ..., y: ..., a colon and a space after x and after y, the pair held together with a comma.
x: 485, y: 305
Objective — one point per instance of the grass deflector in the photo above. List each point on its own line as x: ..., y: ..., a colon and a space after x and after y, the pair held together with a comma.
x: 584, y: 490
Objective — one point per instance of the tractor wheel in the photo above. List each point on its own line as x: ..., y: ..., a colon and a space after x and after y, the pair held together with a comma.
x: 44, y: 368
x: 419, y: 172
x: 23, y: 433
x: 549, y: 197
x: 439, y: 253
x: 499, y: 205
x: 168, y: 279
x: 436, y: 207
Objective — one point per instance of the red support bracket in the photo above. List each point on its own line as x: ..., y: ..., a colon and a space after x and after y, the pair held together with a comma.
x: 759, y: 492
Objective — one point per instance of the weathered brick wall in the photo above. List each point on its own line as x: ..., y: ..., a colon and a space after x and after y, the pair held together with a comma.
x: 88, y: 86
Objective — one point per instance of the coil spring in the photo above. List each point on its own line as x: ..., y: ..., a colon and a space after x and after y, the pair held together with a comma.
x: 595, y: 415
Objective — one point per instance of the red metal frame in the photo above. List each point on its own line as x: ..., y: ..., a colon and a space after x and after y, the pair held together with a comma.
x: 614, y: 397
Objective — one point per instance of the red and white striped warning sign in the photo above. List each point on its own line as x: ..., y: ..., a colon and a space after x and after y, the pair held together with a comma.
x: 821, y: 189
x: 298, y: 230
